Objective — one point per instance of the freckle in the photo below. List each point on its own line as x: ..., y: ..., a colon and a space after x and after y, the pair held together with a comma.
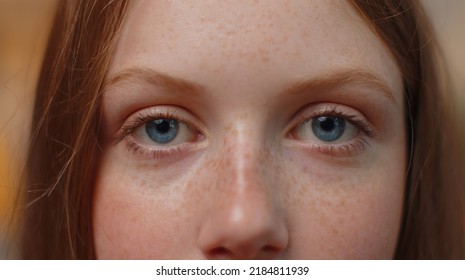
x: 227, y: 162
x: 203, y: 19
x: 248, y: 156
x: 209, y: 164
x: 216, y: 70
x: 305, y: 170
x: 303, y: 190
x: 323, y: 219
x: 340, y: 220
x: 265, y: 59
x: 230, y: 32
x: 132, y: 177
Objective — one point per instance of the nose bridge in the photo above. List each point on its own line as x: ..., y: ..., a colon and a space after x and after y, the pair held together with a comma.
x: 244, y: 222
x: 246, y: 185
x: 244, y: 158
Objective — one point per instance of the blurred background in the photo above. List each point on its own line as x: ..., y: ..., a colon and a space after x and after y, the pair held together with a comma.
x: 24, y: 29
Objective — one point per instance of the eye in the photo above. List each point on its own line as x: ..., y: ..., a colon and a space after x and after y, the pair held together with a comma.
x: 332, y: 129
x: 164, y: 132
x: 328, y: 125
x: 161, y: 131
x: 327, y: 129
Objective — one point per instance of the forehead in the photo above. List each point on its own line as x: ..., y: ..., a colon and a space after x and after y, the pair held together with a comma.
x: 260, y: 40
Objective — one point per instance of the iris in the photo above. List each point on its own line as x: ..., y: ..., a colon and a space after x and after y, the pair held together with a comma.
x: 162, y: 131
x: 328, y: 128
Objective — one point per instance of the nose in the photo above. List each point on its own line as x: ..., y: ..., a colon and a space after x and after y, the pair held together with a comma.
x: 245, y: 221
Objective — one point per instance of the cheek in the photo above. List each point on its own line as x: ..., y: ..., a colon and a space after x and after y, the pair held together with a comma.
x: 331, y: 211
x: 347, y: 213
x: 140, y: 213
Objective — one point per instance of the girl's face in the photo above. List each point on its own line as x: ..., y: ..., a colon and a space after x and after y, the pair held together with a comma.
x: 250, y: 129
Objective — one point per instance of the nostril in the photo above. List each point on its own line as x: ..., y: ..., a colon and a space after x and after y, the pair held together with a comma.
x: 269, y: 249
x: 221, y: 253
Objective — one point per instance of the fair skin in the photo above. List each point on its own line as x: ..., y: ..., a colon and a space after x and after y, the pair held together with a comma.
x: 214, y: 143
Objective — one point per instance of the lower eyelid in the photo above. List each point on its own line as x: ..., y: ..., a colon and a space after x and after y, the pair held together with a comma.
x: 350, y: 149
x: 151, y: 153
x: 147, y: 151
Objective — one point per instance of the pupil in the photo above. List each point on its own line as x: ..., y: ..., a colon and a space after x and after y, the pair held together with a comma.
x: 162, y: 131
x: 328, y: 128
x: 327, y: 124
x: 163, y: 126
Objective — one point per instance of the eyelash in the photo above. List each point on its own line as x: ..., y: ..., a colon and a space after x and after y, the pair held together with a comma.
x: 345, y: 149
x: 128, y: 129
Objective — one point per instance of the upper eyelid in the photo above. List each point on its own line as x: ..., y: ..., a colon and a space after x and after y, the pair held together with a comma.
x: 357, y: 119
x: 140, y: 117
x: 171, y: 109
x: 313, y: 110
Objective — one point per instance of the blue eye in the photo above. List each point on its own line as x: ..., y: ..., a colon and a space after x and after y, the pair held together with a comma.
x: 328, y: 128
x: 162, y: 131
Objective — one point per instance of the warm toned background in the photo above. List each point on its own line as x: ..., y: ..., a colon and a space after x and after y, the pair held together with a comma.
x: 24, y: 26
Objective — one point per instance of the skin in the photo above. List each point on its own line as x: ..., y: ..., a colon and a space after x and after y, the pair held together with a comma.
x: 248, y: 182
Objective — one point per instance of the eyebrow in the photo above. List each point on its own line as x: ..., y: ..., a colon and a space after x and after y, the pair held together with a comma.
x: 325, y: 83
x: 340, y: 79
x: 154, y: 77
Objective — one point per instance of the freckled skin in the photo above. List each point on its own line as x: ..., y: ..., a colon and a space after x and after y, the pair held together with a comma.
x: 248, y: 192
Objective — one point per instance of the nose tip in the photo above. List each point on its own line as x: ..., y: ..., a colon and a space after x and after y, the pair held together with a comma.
x: 243, y: 232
